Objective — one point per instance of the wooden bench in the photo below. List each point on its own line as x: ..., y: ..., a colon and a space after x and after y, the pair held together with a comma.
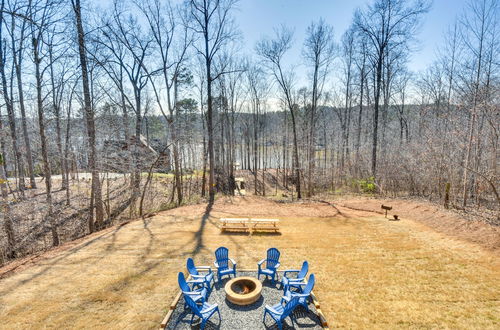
x: 265, y: 224
x: 234, y: 224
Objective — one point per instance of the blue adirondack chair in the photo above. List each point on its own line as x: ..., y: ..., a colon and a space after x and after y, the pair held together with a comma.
x: 222, y: 263
x: 204, y: 312
x: 197, y: 277
x: 272, y: 264
x: 303, y: 296
x: 289, y: 282
x: 195, y: 295
x: 279, y: 312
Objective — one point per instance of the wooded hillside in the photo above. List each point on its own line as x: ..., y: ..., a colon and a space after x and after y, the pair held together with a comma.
x: 107, y: 114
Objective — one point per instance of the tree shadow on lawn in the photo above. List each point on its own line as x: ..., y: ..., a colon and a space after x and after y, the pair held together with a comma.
x: 64, y: 255
x: 146, y: 266
x: 198, y: 237
x: 109, y: 249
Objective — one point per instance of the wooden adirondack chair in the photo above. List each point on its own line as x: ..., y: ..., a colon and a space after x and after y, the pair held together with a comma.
x: 272, y: 264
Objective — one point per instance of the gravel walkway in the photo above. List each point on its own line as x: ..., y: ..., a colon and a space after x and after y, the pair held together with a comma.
x: 245, y: 317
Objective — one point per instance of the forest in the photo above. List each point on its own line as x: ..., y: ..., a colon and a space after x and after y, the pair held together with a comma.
x: 110, y: 114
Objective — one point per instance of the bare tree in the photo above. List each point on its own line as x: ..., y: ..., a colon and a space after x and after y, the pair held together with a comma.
x: 257, y: 86
x: 319, y: 53
x: 386, y: 23
x: 4, y: 205
x: 272, y: 51
x: 347, y: 51
x: 10, y: 107
x: 361, y: 62
x: 172, y: 40
x: 212, y: 21
x: 126, y: 31
x: 18, y: 53
x: 42, y: 14
x: 96, y: 195
x: 477, y: 28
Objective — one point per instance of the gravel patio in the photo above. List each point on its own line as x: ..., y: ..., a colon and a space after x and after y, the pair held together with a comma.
x: 245, y: 317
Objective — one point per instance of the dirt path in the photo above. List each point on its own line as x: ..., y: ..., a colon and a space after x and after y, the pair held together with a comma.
x: 371, y: 273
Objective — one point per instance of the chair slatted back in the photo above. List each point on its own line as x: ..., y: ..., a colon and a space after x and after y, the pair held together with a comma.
x: 222, y: 257
x: 289, y: 307
x: 303, y: 270
x: 273, y: 257
x: 194, y: 307
x: 310, y: 285
x: 182, y: 283
x: 191, y: 267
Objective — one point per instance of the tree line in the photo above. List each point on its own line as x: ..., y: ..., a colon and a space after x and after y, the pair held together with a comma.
x: 172, y: 75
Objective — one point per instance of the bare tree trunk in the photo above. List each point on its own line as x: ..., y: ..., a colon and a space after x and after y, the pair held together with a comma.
x: 2, y: 145
x: 5, y: 208
x: 57, y: 113
x: 255, y: 116
x: 10, y: 112
x: 89, y: 118
x: 17, y: 58
x: 66, y: 147
x: 204, y: 173
x: 43, y: 141
x: 296, y: 164
x: 375, y: 116
x: 210, y: 129
x: 173, y: 133
x: 136, y: 175
x: 358, y: 128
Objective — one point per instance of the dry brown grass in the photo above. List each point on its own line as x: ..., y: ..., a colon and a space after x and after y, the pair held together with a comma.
x: 448, y: 222
x: 372, y: 273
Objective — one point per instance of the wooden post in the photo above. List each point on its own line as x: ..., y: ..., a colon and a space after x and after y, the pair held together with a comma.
x: 386, y: 208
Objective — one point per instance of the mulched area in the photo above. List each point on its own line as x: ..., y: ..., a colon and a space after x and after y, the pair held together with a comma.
x: 245, y: 317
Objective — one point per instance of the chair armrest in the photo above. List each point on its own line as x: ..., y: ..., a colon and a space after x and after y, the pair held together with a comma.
x: 277, y: 265
x: 216, y: 264
x: 212, y: 307
x: 271, y: 309
x: 290, y: 271
x: 197, y: 282
x: 260, y: 262
x: 296, y: 280
x: 204, y: 268
x: 305, y: 295
x: 234, y: 262
x: 197, y: 276
x: 192, y: 293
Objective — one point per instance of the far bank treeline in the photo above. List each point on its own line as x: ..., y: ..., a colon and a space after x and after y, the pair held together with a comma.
x: 142, y: 87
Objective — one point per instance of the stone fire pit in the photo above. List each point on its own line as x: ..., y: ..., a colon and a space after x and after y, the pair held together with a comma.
x: 243, y: 290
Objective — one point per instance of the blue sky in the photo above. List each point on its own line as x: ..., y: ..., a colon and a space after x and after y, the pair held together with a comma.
x: 257, y: 18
